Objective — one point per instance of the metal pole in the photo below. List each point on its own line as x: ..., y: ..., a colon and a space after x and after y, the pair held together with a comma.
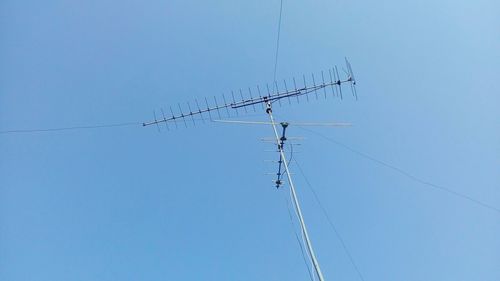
x: 294, y: 196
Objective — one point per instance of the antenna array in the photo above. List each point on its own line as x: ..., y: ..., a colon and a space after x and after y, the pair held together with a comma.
x: 330, y: 82
x: 267, y: 100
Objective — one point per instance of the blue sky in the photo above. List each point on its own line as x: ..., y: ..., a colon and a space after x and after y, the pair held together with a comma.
x: 130, y: 203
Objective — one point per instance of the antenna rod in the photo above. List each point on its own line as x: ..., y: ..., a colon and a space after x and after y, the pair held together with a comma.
x: 317, y: 269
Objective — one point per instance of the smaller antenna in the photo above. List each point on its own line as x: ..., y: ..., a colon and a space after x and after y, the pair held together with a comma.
x: 279, y: 181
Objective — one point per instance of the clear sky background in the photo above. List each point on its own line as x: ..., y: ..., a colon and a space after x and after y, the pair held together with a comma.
x: 130, y: 203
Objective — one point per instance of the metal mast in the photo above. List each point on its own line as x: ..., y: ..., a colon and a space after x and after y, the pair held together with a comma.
x: 310, y: 250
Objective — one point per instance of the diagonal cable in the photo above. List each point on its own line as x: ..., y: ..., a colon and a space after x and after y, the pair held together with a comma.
x: 330, y: 222
x: 311, y: 276
x: 57, y: 129
x: 277, y: 42
x: 405, y: 173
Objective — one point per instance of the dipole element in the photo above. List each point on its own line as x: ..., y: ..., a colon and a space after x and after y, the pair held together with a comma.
x: 310, y: 250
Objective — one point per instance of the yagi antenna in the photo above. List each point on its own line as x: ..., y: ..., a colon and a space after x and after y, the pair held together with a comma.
x: 243, y: 102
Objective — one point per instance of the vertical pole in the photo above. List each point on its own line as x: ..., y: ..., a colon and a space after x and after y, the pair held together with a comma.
x: 317, y: 269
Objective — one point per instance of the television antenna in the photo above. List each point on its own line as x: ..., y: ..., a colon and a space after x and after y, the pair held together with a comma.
x: 335, y: 84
